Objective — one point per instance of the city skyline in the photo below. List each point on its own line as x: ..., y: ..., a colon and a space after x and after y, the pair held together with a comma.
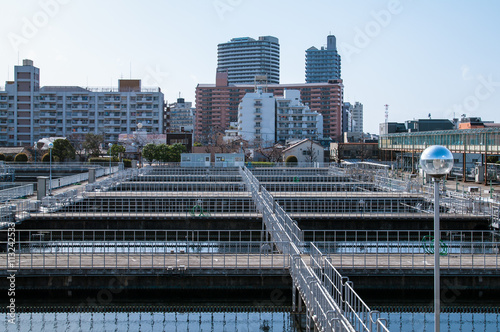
x: 418, y: 57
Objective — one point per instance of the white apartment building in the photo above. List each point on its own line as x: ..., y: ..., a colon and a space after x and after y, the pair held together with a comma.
x: 264, y: 119
x: 181, y: 116
x: 257, y: 118
x: 29, y: 112
x: 296, y: 121
x: 357, y: 117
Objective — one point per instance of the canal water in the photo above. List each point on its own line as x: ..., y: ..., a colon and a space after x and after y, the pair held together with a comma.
x: 233, y: 321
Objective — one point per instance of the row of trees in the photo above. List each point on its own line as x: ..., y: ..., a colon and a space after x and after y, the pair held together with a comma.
x: 163, y: 152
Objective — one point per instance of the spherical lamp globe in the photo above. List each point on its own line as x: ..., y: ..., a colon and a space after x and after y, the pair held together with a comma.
x: 436, y: 161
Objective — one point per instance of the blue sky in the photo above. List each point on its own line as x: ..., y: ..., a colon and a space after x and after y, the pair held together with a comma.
x: 420, y: 57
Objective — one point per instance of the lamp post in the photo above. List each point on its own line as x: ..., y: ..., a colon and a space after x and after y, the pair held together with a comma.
x: 110, y: 145
x: 436, y: 161
x: 51, y: 145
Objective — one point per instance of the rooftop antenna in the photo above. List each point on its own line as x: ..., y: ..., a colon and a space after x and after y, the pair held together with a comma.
x: 130, y: 67
x: 386, y: 113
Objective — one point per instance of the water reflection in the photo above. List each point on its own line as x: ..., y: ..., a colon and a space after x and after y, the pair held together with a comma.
x: 231, y: 321
x: 153, y: 321
x: 451, y: 322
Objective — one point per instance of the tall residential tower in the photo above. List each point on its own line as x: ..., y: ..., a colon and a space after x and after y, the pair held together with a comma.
x: 324, y: 64
x: 244, y: 58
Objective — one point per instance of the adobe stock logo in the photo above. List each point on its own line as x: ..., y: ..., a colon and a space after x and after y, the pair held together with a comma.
x: 381, y: 19
x: 485, y: 88
x: 224, y: 6
x: 30, y: 27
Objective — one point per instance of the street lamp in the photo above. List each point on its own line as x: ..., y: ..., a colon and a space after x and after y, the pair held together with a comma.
x: 51, y: 145
x: 436, y: 161
x: 110, y: 145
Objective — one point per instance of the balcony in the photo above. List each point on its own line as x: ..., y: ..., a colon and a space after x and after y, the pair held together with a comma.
x: 48, y: 107
x: 44, y: 131
x: 46, y: 98
x: 48, y: 115
x: 112, y: 123
x: 79, y: 123
x: 80, y: 115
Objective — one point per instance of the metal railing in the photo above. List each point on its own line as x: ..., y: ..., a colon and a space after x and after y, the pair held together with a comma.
x: 417, y: 256
x: 454, y: 202
x: 294, y: 171
x: 360, y: 204
x: 142, y: 235
x: 350, y: 304
x: 70, y: 197
x: 391, y: 184
x: 176, y: 170
x: 276, y: 220
x: 191, y: 257
x: 360, y: 236
x: 16, y: 192
x: 320, y: 306
x: 324, y: 188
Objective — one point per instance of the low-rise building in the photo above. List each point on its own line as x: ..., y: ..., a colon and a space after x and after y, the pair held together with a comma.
x: 304, y: 152
x: 359, y: 151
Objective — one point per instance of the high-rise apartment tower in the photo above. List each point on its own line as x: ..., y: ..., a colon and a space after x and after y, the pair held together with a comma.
x: 324, y: 64
x: 244, y: 58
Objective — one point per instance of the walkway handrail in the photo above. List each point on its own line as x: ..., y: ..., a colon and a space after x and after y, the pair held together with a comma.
x: 16, y: 192
x: 326, y: 314
x: 46, y: 256
x: 280, y: 224
x: 340, y: 288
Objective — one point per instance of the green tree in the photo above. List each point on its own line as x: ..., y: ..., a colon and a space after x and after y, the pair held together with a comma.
x: 92, y: 144
x: 175, y: 152
x: 21, y: 157
x: 63, y: 150
x: 116, y: 149
x: 149, y: 152
x: 162, y: 152
x: 46, y: 158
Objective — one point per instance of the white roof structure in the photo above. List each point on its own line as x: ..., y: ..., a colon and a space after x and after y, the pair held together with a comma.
x: 46, y: 140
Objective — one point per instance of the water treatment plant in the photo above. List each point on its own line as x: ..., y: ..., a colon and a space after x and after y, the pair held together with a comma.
x: 271, y: 249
